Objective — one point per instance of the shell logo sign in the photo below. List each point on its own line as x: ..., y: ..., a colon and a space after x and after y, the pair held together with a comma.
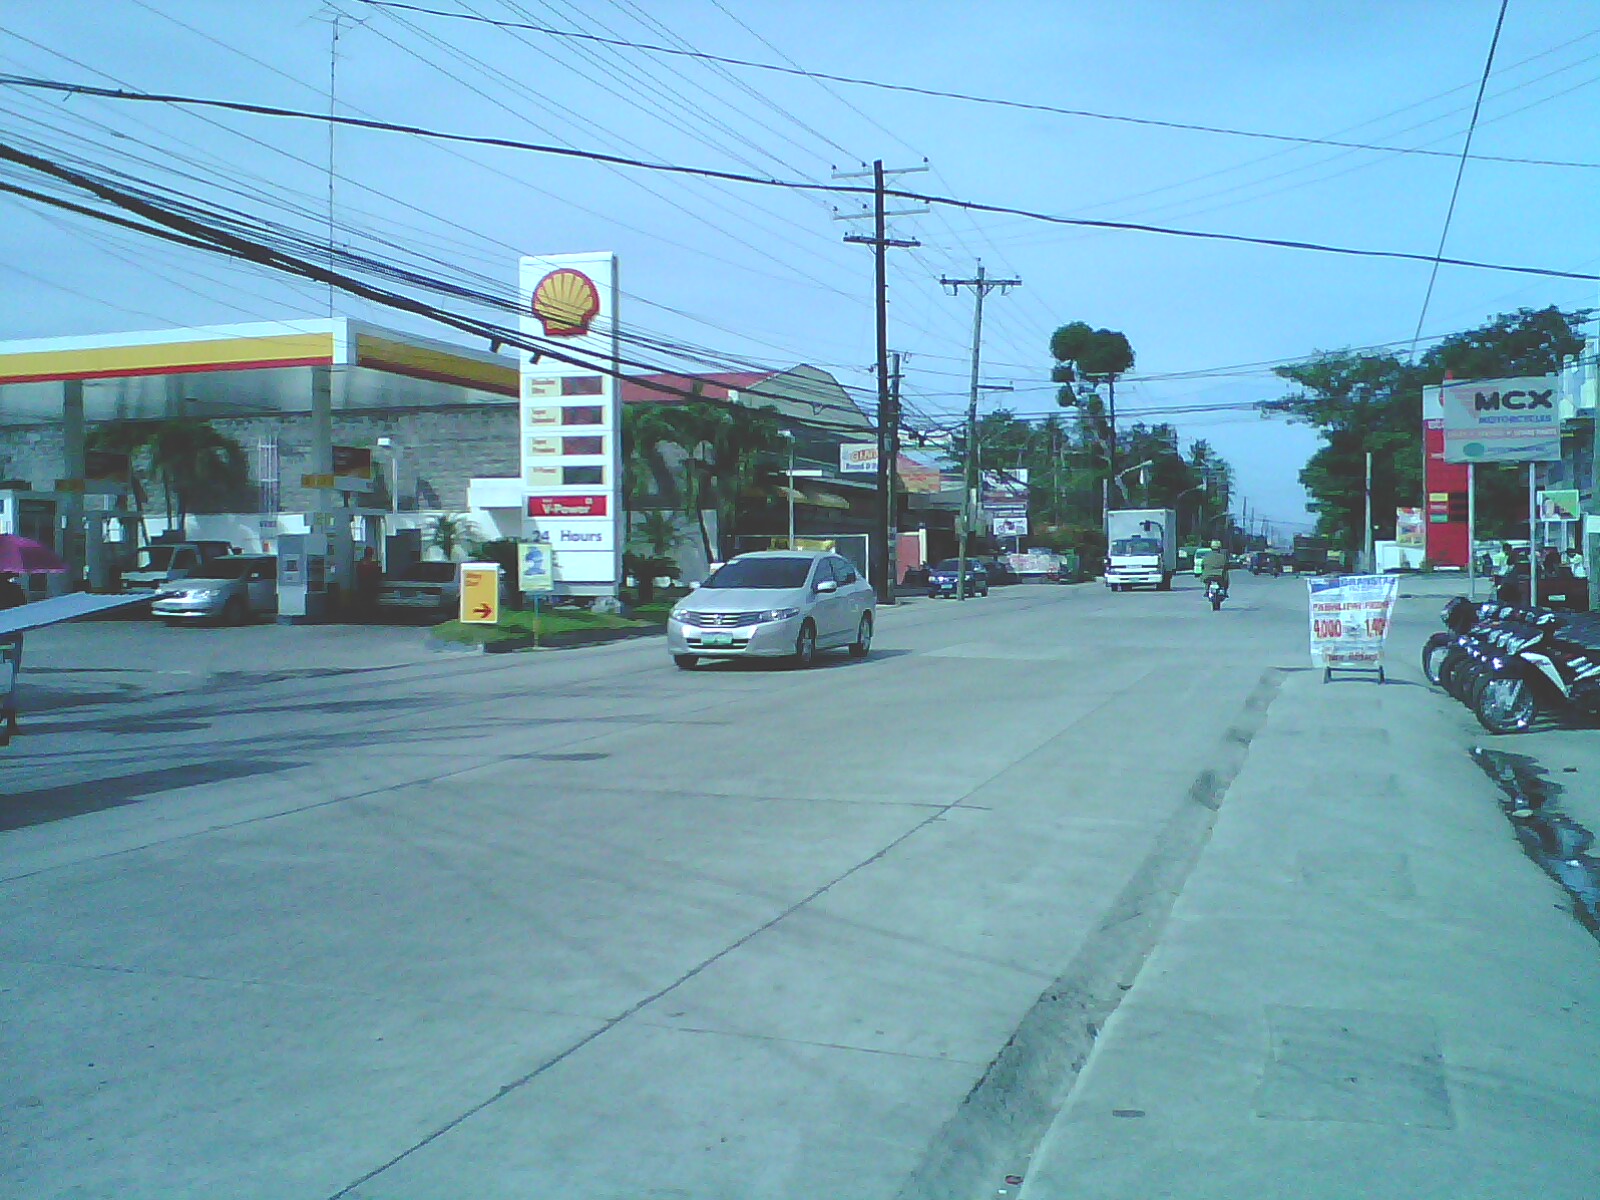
x: 566, y: 301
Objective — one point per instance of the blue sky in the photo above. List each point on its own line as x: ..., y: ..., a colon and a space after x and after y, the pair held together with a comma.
x: 759, y: 276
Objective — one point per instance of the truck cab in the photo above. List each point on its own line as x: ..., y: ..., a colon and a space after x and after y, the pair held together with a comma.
x: 1141, y: 548
x: 165, y: 562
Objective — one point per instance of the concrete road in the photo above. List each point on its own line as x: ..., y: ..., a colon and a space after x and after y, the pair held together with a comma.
x: 579, y: 922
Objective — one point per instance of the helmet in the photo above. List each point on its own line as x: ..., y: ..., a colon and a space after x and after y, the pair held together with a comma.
x: 1216, y: 545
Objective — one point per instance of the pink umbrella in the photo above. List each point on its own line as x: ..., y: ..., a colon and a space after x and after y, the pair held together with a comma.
x: 24, y: 556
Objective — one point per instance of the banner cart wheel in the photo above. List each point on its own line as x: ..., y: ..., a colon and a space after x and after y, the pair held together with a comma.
x: 1327, y: 674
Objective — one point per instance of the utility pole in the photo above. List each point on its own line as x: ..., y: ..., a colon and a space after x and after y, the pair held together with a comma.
x: 981, y: 286
x: 891, y: 538
x: 880, y: 242
x: 1368, y: 564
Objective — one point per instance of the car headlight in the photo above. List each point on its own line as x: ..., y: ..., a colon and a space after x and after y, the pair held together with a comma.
x: 780, y: 614
x: 676, y: 614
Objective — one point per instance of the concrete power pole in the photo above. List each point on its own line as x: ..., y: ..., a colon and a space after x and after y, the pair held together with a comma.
x: 981, y: 286
x: 880, y: 241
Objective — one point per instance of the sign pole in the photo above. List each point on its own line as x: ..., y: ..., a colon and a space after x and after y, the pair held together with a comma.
x: 1533, y: 525
x: 1472, y: 533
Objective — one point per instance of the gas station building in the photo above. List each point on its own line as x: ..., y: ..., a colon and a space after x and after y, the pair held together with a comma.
x: 431, y: 414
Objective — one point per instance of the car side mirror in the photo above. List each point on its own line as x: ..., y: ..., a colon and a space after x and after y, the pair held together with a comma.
x: 827, y: 585
x: 694, y: 585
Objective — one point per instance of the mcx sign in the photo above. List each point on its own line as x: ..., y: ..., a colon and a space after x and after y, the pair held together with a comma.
x: 1502, y: 420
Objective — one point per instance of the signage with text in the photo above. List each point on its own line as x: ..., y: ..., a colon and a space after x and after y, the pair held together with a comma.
x: 567, y: 506
x: 480, y: 593
x: 1502, y: 420
x: 571, y: 299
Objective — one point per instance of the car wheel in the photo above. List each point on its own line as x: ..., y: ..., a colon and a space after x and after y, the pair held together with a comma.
x: 805, y: 646
x: 234, y: 612
x: 863, y: 642
x: 685, y: 662
x: 1506, y: 706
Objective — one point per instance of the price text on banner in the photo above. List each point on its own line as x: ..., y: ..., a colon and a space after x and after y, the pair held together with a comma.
x: 1350, y: 619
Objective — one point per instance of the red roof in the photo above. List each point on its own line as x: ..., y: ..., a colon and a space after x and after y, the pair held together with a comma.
x: 639, y: 390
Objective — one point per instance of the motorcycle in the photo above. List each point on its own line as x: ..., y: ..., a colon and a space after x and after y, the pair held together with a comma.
x: 1508, y: 663
x: 1216, y: 593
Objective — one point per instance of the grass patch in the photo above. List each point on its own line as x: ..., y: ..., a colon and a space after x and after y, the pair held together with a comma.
x: 520, y: 624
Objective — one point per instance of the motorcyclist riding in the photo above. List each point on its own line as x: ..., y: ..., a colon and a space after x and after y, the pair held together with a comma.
x: 1214, y: 565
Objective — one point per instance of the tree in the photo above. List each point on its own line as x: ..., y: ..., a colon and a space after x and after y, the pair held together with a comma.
x: 192, y: 461
x: 1373, y: 402
x: 1097, y: 356
x: 449, y: 533
x: 730, y: 453
x: 645, y: 429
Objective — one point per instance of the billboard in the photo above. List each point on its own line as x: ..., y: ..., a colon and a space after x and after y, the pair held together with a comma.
x: 1559, y: 504
x: 858, y: 458
x: 570, y: 419
x: 1502, y: 420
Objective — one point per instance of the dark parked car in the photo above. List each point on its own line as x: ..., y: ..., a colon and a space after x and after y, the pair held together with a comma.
x: 942, y: 578
x: 430, y: 588
x: 999, y: 571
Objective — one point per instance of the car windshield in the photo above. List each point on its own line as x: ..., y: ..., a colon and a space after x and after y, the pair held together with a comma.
x: 762, y: 573
x: 230, y: 568
x: 954, y: 564
x: 429, y: 572
x: 1136, y: 545
x: 156, y: 558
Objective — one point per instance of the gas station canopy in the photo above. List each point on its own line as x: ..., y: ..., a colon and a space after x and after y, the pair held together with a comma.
x: 244, y: 370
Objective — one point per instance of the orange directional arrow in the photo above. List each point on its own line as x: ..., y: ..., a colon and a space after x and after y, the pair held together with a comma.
x: 482, y: 611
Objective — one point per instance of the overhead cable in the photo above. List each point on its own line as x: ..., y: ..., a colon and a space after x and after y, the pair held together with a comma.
x: 268, y: 110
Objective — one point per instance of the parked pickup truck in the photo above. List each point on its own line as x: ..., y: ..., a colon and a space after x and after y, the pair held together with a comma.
x: 166, y: 562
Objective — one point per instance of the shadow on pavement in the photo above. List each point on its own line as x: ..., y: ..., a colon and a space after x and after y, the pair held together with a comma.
x: 22, y: 809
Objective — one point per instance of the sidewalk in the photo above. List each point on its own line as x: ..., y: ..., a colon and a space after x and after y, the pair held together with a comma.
x: 1365, y: 988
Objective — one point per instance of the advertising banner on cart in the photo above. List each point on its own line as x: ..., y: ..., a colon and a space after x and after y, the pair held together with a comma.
x: 1350, y: 619
x: 571, y: 420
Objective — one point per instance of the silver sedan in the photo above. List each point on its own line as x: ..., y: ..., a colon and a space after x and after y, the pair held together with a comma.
x: 229, y: 590
x: 774, y: 604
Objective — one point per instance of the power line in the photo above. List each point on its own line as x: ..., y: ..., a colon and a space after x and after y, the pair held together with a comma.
x: 966, y: 97
x: 1455, y: 192
x: 268, y: 110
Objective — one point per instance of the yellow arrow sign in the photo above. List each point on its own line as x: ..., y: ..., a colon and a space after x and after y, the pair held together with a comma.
x: 480, y: 594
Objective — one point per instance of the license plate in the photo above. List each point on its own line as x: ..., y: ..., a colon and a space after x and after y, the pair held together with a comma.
x: 716, y: 639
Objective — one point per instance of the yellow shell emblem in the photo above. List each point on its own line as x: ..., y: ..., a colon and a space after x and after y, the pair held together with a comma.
x: 565, y: 301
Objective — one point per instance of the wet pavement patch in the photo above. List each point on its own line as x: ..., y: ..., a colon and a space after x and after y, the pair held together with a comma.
x: 1564, y: 848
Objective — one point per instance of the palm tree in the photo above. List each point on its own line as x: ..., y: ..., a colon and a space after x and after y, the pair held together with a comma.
x: 645, y: 428
x: 450, y: 533
x: 189, y: 457
x: 728, y: 451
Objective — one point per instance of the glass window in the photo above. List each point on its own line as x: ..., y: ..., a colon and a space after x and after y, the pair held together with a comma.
x: 843, y: 571
x: 781, y: 572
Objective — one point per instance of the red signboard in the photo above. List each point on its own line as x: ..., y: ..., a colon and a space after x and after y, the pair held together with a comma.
x: 567, y: 506
x: 1445, y: 488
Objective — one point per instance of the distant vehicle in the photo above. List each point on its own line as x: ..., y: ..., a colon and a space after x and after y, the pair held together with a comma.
x: 1310, y: 556
x: 164, y: 562
x: 1000, y: 572
x: 942, y: 578
x: 1141, y: 548
x: 774, y: 604
x: 427, y: 587
x: 229, y: 590
x: 1264, y: 562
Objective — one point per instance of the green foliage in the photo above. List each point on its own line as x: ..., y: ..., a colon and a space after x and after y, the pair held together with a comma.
x: 193, y: 463
x: 656, y: 531
x: 451, y: 532
x: 1373, y: 402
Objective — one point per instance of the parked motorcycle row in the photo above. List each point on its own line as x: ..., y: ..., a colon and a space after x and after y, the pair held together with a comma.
x: 1510, y: 664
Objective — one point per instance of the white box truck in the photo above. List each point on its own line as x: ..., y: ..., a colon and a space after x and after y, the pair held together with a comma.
x: 1141, y: 548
